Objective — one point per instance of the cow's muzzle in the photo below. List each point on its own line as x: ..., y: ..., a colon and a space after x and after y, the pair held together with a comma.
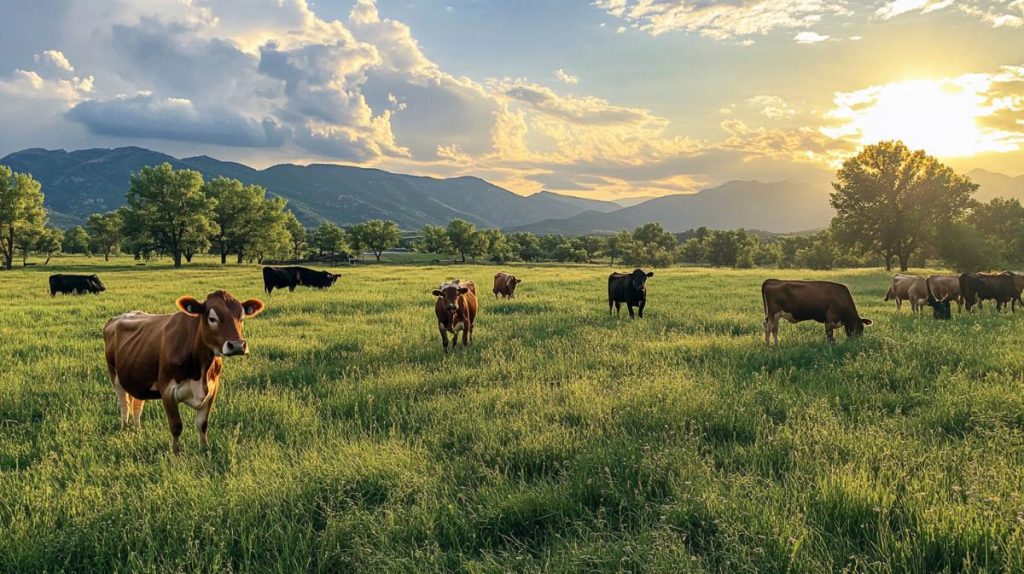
x: 235, y: 348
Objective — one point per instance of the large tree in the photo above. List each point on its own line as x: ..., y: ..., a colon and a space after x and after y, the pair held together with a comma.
x: 76, y: 240
x: 464, y: 238
x: 21, y: 211
x: 329, y: 239
x: 890, y: 200
x: 105, y: 231
x: 434, y: 239
x: 237, y: 214
x: 376, y: 234
x: 170, y: 208
x: 298, y: 234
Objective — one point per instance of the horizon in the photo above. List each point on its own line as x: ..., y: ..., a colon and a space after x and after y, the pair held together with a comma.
x: 606, y: 100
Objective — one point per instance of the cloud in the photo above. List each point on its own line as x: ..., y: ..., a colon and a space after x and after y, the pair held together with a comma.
x: 721, y: 19
x: 772, y: 107
x: 566, y: 78
x: 56, y: 58
x: 996, y: 13
x: 809, y: 38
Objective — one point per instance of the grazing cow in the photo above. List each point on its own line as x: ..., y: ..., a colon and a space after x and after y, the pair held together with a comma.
x: 505, y: 285
x: 940, y: 307
x: 822, y: 301
x: 628, y: 288
x: 176, y: 357
x: 455, y: 308
x: 945, y: 288
x: 76, y: 284
x: 977, y: 287
x: 913, y: 288
x: 290, y: 277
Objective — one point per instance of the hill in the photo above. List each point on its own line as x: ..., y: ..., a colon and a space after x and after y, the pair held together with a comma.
x: 83, y: 182
x: 994, y: 185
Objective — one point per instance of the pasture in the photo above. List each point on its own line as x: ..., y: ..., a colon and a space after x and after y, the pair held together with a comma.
x: 563, y: 440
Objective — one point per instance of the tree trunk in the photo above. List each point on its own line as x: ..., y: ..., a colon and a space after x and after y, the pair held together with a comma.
x: 223, y: 253
x: 241, y: 255
x: 48, y: 257
x: 9, y: 250
x: 106, y: 255
x: 904, y: 259
x: 377, y: 253
x: 177, y: 258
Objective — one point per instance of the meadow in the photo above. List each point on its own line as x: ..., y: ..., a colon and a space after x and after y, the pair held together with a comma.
x: 562, y: 440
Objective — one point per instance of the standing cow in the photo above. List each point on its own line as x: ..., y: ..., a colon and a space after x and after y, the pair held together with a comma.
x: 177, y: 357
x: 913, y: 288
x: 505, y: 285
x: 628, y: 288
x: 75, y: 284
x: 977, y: 287
x: 455, y: 308
x: 822, y: 301
x: 946, y: 288
x: 290, y: 277
x: 940, y: 307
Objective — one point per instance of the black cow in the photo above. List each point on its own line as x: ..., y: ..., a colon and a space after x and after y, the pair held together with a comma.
x: 976, y: 287
x: 628, y: 288
x: 75, y: 284
x: 290, y: 277
x: 940, y: 307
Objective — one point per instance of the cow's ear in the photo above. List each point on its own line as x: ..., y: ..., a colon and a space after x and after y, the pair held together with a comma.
x: 252, y: 307
x: 650, y: 273
x: 463, y: 290
x: 189, y: 306
x: 518, y: 281
x: 867, y: 322
x: 437, y: 293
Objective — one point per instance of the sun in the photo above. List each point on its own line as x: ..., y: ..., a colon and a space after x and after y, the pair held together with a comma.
x: 944, y: 117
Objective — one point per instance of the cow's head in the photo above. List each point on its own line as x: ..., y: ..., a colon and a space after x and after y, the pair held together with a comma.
x: 638, y: 279
x: 220, y: 321
x: 450, y: 292
x: 96, y: 284
x: 512, y: 284
x: 331, y: 277
x: 855, y: 328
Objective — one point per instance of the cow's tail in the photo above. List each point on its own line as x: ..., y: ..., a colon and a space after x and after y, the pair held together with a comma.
x: 764, y: 299
x: 889, y: 295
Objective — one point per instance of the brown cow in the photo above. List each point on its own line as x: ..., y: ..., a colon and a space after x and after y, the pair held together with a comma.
x: 176, y: 357
x: 946, y: 288
x: 505, y: 285
x: 456, y: 311
x: 913, y: 288
x: 822, y: 301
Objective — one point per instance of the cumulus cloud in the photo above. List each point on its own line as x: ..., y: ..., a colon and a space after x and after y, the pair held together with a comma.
x: 721, y: 19
x: 566, y: 77
x: 997, y: 13
x: 808, y: 37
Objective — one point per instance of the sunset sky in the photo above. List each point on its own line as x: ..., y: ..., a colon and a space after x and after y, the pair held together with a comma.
x: 602, y: 98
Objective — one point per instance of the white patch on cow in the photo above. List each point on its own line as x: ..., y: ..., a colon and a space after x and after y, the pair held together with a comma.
x: 787, y: 316
x: 189, y: 392
x: 122, y: 400
x: 213, y: 319
x: 458, y: 327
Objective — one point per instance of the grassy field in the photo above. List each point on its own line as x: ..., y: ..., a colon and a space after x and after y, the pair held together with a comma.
x: 563, y: 440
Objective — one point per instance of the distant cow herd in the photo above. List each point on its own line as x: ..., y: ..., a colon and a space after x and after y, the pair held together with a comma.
x: 178, y: 358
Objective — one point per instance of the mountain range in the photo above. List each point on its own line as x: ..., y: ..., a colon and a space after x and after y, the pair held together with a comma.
x: 83, y: 182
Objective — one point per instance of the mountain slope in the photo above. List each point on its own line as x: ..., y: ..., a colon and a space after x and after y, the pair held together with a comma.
x: 996, y: 185
x: 83, y: 182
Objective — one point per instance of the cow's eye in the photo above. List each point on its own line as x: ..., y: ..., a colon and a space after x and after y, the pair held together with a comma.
x: 212, y: 320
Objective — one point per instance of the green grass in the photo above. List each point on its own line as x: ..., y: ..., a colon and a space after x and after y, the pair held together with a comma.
x: 563, y: 440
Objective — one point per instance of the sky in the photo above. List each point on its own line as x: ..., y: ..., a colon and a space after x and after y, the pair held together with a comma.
x: 595, y: 98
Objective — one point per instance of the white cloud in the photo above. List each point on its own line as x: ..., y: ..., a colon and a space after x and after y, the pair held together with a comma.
x: 566, y: 78
x: 57, y: 58
x: 809, y: 37
x: 996, y: 13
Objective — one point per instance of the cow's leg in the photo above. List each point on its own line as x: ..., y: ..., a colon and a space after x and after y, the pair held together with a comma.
x: 618, y: 308
x: 173, y: 418
x: 767, y: 330
x: 122, y: 401
x: 466, y: 327
x: 829, y: 333
x: 137, y: 405
x: 203, y: 419
x: 444, y: 337
x: 643, y: 303
x: 629, y: 307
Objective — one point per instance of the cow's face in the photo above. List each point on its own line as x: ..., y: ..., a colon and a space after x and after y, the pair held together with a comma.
x: 940, y: 309
x: 220, y: 321
x: 856, y: 327
x: 450, y: 292
x: 512, y: 285
x: 332, y: 278
x: 638, y: 279
x: 95, y: 283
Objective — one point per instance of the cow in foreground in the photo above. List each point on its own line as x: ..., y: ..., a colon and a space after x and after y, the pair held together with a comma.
x: 176, y: 358
x: 977, y: 287
x: 913, y: 288
x: 291, y: 277
x: 945, y: 288
x: 505, y: 285
x: 628, y: 288
x: 822, y: 301
x: 455, y: 308
x: 75, y: 284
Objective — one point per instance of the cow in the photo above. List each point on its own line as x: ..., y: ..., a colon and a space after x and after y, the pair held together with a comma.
x: 628, y: 288
x: 290, y: 277
x: 75, y: 284
x: 940, y: 307
x: 977, y: 287
x: 177, y: 358
x: 945, y: 288
x: 822, y: 301
x: 1018, y: 286
x: 505, y: 285
x: 455, y: 308
x: 913, y: 288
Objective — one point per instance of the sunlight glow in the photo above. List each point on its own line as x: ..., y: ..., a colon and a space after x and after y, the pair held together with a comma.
x: 945, y: 117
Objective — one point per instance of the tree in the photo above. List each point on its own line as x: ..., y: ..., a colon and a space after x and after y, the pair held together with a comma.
x: 269, y: 236
x: 525, y: 245
x: 105, y: 232
x: 49, y: 241
x: 966, y: 249
x: 730, y: 248
x: 1002, y: 222
x: 497, y: 246
x: 76, y: 240
x: 376, y: 234
x: 652, y: 245
x: 890, y: 200
x: 593, y: 245
x: 329, y: 239
x: 298, y: 234
x: 434, y: 239
x: 463, y: 237
x: 21, y: 210
x: 237, y: 214
x: 618, y: 245
x: 170, y: 208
